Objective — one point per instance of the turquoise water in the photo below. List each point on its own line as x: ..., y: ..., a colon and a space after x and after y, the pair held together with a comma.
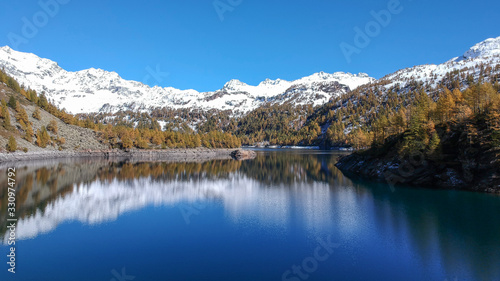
x: 286, y: 215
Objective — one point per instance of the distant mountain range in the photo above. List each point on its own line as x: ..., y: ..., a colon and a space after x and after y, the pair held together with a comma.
x: 97, y: 90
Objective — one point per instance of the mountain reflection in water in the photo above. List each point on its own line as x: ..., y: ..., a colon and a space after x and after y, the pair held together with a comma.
x: 278, y: 189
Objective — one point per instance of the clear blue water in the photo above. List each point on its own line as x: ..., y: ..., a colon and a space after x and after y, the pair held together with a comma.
x: 287, y: 215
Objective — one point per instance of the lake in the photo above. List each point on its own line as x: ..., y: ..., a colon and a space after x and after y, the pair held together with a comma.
x: 286, y: 215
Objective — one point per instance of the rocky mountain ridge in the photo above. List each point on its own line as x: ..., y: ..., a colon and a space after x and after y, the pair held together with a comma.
x: 97, y: 90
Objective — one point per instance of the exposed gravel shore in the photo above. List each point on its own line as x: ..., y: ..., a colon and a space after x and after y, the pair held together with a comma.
x: 170, y: 155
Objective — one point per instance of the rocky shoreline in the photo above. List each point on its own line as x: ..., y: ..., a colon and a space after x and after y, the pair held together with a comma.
x: 422, y: 171
x: 170, y: 155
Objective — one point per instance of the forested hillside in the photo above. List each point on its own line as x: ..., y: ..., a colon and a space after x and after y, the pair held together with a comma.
x: 29, y: 122
x: 373, y: 113
x: 447, y: 136
x: 411, y: 104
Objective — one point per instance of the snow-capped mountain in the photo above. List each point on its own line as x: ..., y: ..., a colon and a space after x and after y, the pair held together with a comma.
x: 487, y: 48
x: 95, y: 90
x: 485, y: 53
x: 102, y: 201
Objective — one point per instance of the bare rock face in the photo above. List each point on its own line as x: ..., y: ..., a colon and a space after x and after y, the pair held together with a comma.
x: 241, y: 154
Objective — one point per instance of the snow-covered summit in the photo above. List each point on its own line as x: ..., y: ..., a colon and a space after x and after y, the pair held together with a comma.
x: 94, y: 90
x: 488, y: 48
x: 270, y: 82
x: 486, y: 52
x: 234, y: 85
x: 351, y: 80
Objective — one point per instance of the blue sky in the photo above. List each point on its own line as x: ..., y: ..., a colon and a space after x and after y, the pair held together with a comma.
x: 255, y: 40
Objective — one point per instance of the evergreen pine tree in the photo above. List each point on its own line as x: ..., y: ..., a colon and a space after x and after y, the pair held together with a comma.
x: 12, y: 145
x: 52, y: 126
x: 12, y: 102
x: 6, y: 117
x: 445, y: 106
x: 36, y: 114
x: 22, y: 116
x: 29, y: 133
x: 42, y: 137
x: 434, y: 142
x: 127, y: 141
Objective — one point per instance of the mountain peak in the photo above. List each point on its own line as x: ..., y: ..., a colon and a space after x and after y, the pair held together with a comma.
x: 5, y: 48
x: 234, y: 85
x: 321, y: 75
x: 362, y: 74
x: 270, y: 82
x: 487, y: 48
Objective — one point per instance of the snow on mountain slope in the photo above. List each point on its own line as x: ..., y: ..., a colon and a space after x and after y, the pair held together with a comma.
x: 241, y: 196
x: 488, y: 48
x: 94, y: 90
x: 486, y: 52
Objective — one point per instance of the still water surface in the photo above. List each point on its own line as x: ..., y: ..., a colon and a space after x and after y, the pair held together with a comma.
x: 286, y: 215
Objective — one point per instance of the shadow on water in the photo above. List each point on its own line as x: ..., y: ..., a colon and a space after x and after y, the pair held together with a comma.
x: 461, y: 228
